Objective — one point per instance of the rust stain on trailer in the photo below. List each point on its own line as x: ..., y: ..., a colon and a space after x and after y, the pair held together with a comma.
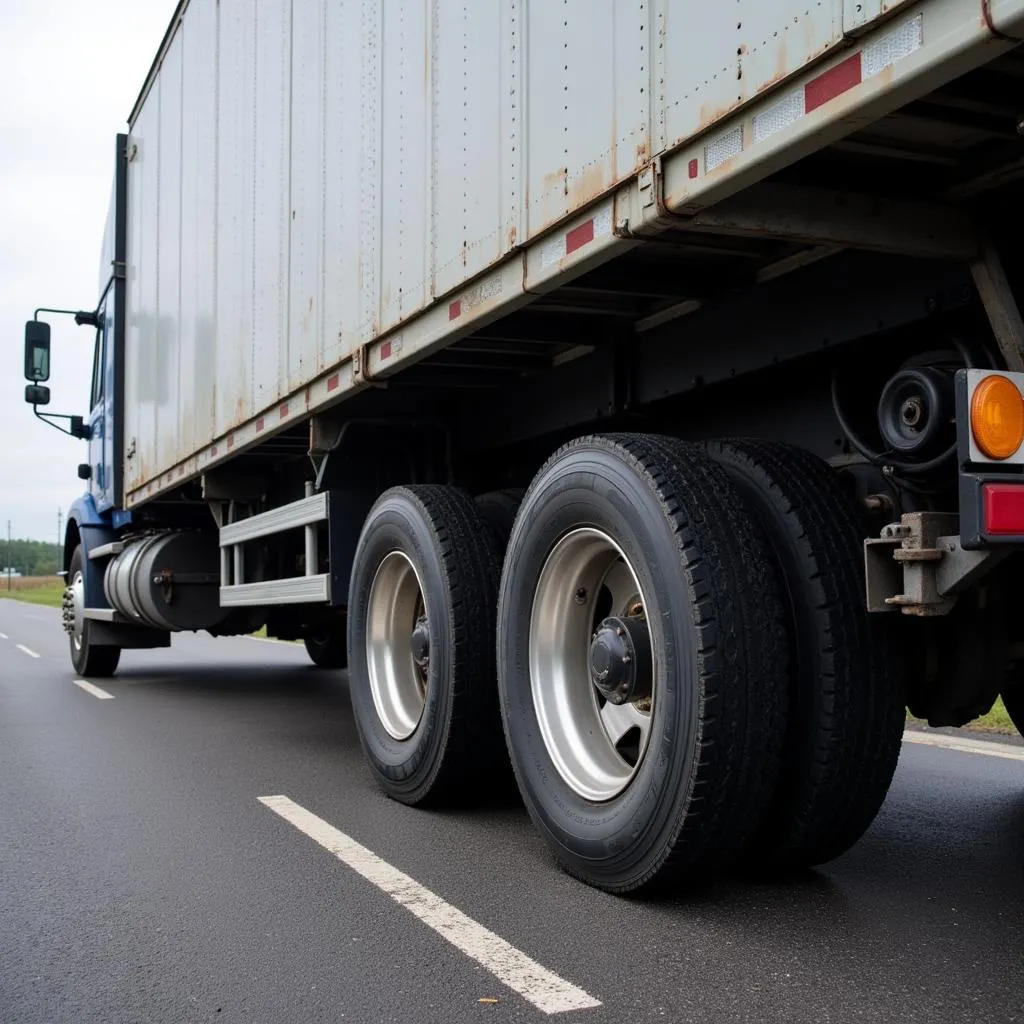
x: 710, y: 115
x: 512, y: 236
x: 781, y: 71
x: 594, y: 181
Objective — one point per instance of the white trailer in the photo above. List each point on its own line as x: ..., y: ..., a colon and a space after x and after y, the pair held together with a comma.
x: 420, y: 321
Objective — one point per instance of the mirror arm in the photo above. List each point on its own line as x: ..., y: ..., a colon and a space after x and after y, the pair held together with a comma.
x: 76, y: 429
x: 91, y: 319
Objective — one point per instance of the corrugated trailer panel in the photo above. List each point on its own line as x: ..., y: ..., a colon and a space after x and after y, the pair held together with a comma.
x: 467, y: 170
x: 168, y: 300
x: 142, y: 318
x: 343, y: 185
x: 197, y: 337
x: 587, y: 99
x: 236, y: 213
x: 405, y: 170
x: 369, y: 112
x: 271, y: 346
x: 305, y: 143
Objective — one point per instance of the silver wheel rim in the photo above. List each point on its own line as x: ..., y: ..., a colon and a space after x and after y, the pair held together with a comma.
x: 77, y: 589
x: 596, y: 746
x: 397, y: 682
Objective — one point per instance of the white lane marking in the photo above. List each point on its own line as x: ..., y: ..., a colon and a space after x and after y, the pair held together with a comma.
x: 25, y: 650
x: 94, y: 690
x: 964, y: 745
x: 272, y: 640
x: 4, y: 636
x: 546, y: 990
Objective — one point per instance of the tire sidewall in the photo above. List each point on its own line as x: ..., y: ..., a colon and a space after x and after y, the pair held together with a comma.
x: 617, y: 837
x: 80, y: 655
x: 398, y: 524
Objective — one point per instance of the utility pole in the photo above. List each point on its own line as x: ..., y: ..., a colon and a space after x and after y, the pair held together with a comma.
x: 60, y: 560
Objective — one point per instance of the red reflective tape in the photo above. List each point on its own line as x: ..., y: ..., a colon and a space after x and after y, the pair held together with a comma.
x: 259, y: 425
x: 579, y: 237
x: 1004, y: 508
x: 181, y: 471
x: 693, y: 168
x: 213, y: 452
x: 455, y: 310
x: 385, y: 350
x: 333, y: 382
x: 231, y: 440
x: 832, y: 83
x: 284, y: 410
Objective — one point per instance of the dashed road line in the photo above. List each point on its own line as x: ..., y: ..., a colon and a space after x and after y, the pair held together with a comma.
x: 4, y: 636
x: 539, y: 986
x: 25, y: 650
x: 94, y: 690
x: 965, y: 745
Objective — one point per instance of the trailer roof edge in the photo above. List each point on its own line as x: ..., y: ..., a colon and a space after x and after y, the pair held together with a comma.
x: 179, y: 13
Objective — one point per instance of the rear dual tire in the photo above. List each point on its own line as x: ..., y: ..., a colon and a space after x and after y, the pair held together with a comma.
x: 702, y: 777
x: 846, y: 695
x: 421, y: 623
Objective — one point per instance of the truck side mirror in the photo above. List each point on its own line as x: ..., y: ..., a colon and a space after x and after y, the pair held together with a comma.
x: 37, y: 353
x: 37, y: 394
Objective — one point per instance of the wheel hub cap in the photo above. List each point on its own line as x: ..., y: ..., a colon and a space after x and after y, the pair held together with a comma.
x: 620, y: 660
x: 421, y: 643
x: 72, y: 607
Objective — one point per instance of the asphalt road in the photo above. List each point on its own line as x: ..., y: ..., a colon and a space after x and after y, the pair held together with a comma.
x: 141, y: 878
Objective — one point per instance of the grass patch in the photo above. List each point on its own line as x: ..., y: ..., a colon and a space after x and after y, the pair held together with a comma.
x: 45, y: 590
x: 997, y: 720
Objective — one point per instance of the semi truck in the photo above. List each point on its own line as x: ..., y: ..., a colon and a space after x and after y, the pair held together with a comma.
x: 629, y: 394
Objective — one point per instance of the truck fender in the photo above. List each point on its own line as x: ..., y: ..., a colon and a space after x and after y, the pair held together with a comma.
x: 90, y: 529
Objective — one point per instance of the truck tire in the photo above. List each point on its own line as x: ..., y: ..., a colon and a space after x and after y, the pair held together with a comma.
x: 499, y: 508
x: 846, y: 713
x: 327, y: 650
x: 617, y: 532
x: 87, y: 658
x: 421, y: 621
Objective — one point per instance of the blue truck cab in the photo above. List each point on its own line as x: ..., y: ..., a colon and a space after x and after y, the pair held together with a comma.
x: 97, y: 518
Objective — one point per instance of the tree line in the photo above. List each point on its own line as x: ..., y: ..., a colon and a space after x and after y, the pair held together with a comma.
x: 31, y: 557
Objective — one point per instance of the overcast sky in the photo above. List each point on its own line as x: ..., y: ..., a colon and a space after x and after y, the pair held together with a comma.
x: 69, y: 74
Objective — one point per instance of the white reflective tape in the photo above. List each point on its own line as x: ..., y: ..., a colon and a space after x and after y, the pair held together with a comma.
x: 603, y: 223
x: 553, y: 251
x: 723, y: 147
x: 781, y: 114
x: 892, y: 47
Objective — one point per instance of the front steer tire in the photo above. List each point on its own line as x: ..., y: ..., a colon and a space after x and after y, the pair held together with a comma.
x: 429, y: 729
x: 87, y: 658
x: 718, y: 639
